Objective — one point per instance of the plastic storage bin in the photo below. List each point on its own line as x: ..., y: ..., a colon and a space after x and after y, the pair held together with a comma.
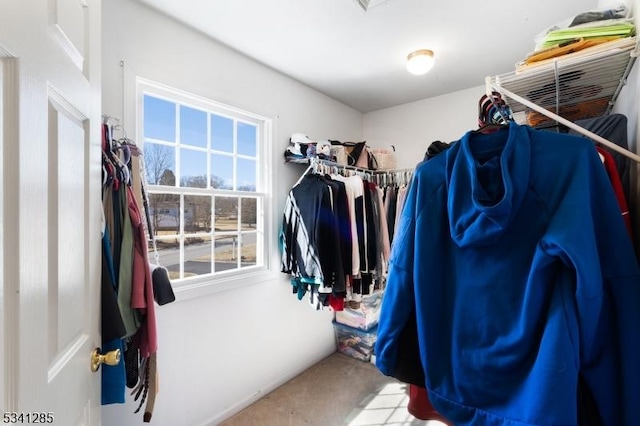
x: 366, y: 316
x: 355, y: 343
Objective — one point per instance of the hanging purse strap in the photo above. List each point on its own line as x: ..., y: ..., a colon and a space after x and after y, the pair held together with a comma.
x: 162, y: 289
x: 145, y: 202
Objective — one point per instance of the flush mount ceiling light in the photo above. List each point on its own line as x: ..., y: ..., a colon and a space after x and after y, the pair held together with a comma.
x: 420, y: 61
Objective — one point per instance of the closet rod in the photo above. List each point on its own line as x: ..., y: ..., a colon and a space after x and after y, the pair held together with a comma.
x: 357, y: 169
x: 490, y: 87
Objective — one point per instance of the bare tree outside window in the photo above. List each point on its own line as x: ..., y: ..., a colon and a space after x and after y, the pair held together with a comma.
x: 158, y: 162
x: 218, y: 182
x: 197, y: 213
x: 249, y: 212
x: 164, y: 208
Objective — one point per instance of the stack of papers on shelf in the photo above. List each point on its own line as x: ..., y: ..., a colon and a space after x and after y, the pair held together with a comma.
x: 589, y: 52
x: 566, y: 48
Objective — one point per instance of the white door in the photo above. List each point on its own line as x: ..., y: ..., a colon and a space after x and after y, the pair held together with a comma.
x: 50, y: 215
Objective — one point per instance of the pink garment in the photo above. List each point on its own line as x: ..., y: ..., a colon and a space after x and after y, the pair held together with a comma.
x: 402, y: 195
x: 384, y: 229
x: 141, y: 285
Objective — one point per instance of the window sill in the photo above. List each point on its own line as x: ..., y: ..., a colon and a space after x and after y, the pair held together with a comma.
x: 204, y: 286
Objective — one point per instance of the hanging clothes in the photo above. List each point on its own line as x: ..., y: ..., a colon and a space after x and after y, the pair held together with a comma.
x: 612, y: 127
x: 354, y: 190
x: 113, y: 330
x: 390, y: 206
x: 610, y: 166
x: 112, y: 325
x: 141, y: 285
x: 385, y: 242
x: 310, y: 241
x: 130, y: 315
x: 332, y: 240
x: 526, y: 284
x: 400, y: 200
x: 125, y: 257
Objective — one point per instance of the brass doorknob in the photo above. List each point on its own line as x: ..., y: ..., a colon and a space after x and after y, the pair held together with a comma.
x: 110, y: 358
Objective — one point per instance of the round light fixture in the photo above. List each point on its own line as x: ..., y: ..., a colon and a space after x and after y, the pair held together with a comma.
x: 420, y: 61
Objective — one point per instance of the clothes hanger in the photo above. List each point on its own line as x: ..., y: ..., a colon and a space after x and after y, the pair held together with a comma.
x: 110, y: 170
x: 310, y: 169
x: 490, y: 128
x: 493, y: 113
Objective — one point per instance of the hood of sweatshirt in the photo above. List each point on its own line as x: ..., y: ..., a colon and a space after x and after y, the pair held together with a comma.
x: 487, y: 178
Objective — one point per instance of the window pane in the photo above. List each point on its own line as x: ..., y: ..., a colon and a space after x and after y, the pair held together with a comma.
x: 247, y: 139
x: 164, y: 210
x: 159, y: 164
x: 159, y: 119
x: 226, y: 252
x: 174, y: 272
x: 246, y: 175
x: 193, y: 168
x: 226, y: 215
x: 197, y: 257
x: 197, y: 214
x: 169, y: 253
x: 221, y: 133
x: 248, y: 213
x: 248, y: 250
x: 221, y: 171
x: 193, y: 127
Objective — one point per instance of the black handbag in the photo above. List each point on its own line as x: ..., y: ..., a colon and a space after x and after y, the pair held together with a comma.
x: 162, y: 289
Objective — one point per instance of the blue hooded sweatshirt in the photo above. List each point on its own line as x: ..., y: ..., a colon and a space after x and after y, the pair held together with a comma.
x: 513, y: 254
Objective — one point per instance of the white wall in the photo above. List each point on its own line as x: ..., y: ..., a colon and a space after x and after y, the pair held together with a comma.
x: 412, y: 127
x: 220, y: 352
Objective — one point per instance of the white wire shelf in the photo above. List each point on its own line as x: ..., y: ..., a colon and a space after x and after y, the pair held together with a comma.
x: 584, y: 83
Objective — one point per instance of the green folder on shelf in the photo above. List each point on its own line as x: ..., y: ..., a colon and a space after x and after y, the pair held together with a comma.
x: 623, y: 29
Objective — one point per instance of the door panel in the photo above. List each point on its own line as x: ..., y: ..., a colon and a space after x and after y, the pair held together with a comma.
x: 67, y: 281
x: 67, y: 27
x: 51, y: 208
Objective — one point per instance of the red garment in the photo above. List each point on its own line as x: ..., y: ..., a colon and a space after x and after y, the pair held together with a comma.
x: 420, y: 407
x: 336, y: 303
x: 141, y: 284
x: 616, y: 183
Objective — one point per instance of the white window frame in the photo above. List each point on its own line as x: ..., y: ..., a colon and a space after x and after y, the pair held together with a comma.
x: 218, y: 281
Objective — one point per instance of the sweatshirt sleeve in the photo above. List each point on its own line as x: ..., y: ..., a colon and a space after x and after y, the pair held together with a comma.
x: 398, y: 300
x: 588, y: 234
x: 287, y: 238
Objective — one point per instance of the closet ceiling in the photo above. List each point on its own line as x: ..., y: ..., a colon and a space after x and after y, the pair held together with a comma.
x: 358, y: 57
